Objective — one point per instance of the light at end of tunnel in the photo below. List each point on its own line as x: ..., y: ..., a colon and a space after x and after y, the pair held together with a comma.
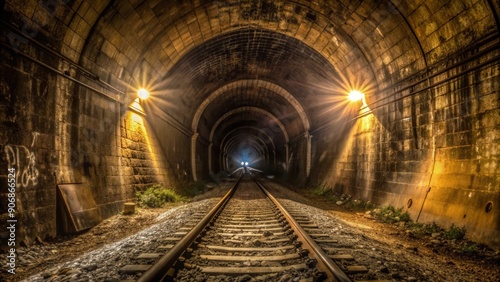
x: 143, y: 93
x: 242, y: 163
x: 246, y: 163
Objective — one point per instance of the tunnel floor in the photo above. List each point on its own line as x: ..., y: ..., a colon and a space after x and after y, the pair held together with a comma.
x: 403, y: 256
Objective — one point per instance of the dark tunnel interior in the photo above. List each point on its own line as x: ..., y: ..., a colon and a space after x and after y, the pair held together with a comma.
x: 265, y: 82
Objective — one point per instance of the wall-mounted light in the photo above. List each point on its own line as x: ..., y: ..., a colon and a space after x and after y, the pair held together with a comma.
x: 143, y: 93
x: 356, y: 95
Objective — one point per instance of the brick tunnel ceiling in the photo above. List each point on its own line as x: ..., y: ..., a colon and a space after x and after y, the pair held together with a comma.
x: 216, y: 67
x: 244, y: 60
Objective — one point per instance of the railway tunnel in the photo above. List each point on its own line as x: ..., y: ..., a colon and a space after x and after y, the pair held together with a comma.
x: 393, y: 102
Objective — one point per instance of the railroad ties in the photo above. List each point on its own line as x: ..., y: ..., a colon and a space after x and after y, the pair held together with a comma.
x: 145, y: 260
x: 337, y: 249
x: 249, y: 237
x: 253, y: 242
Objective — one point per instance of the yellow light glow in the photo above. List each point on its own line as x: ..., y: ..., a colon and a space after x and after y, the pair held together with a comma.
x: 137, y: 122
x: 143, y: 93
x: 355, y: 95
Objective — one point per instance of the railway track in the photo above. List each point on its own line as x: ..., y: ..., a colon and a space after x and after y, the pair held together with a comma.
x: 247, y: 236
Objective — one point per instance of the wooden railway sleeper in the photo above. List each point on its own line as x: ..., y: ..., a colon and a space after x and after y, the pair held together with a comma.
x: 211, y: 229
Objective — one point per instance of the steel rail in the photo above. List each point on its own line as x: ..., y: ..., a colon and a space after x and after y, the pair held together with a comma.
x: 334, y: 272
x: 158, y: 271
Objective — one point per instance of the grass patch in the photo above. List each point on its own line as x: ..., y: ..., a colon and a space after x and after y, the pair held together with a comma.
x: 470, y: 249
x: 359, y: 205
x: 319, y: 191
x: 448, y: 240
x: 390, y: 214
x: 421, y: 230
x: 156, y: 196
x: 454, y: 232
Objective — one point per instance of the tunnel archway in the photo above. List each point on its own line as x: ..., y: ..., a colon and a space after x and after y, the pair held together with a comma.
x: 72, y: 69
x: 248, y: 89
x: 240, y: 117
x: 245, y: 92
x: 256, y: 133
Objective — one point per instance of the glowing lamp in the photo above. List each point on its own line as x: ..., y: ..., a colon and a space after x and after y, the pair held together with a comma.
x: 246, y: 163
x: 143, y: 93
x: 355, y: 95
x: 242, y: 163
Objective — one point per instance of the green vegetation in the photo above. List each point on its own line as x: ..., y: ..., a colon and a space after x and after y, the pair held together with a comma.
x: 454, y: 236
x: 443, y: 240
x: 390, y: 214
x: 321, y: 191
x: 156, y: 196
x: 359, y: 205
x: 421, y: 230
x: 470, y: 249
x: 454, y: 232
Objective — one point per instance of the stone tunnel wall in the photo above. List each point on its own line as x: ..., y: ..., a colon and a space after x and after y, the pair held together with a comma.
x: 174, y: 145
x: 434, y: 153
x: 83, y: 137
x: 297, y: 162
x: 27, y: 101
x: 201, y: 160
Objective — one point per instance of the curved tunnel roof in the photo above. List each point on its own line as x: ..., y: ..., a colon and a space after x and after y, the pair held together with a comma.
x: 285, y: 65
x: 261, y: 81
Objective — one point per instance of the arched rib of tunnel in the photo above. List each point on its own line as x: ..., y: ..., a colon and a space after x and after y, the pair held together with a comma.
x: 258, y: 80
x: 235, y: 143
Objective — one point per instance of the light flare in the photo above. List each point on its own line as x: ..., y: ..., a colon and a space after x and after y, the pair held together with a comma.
x: 355, y: 95
x: 143, y: 93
